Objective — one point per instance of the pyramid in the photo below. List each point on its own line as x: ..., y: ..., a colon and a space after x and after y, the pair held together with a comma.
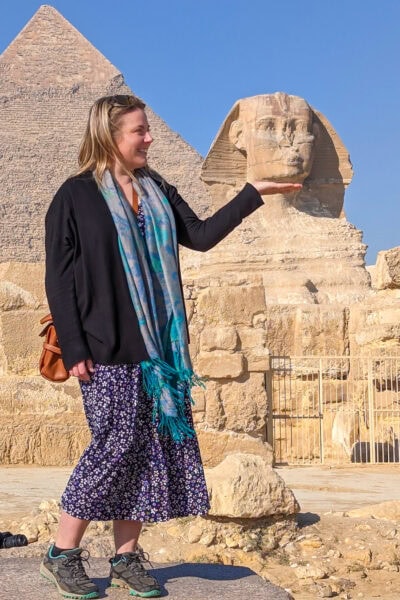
x: 49, y: 35
x: 49, y: 77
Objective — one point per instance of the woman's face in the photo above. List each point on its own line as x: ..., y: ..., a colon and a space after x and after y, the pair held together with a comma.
x: 133, y: 138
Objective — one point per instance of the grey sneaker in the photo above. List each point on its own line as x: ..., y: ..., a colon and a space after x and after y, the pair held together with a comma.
x: 129, y: 572
x: 68, y: 574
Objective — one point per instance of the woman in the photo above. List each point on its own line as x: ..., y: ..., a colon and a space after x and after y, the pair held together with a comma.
x: 114, y: 289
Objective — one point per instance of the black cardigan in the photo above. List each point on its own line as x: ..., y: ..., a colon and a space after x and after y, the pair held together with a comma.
x: 85, y: 281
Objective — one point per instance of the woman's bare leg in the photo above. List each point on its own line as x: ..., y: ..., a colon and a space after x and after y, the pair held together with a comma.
x: 126, y: 535
x: 70, y: 531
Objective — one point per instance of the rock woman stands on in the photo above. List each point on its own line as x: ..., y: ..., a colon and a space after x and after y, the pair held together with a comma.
x: 114, y: 288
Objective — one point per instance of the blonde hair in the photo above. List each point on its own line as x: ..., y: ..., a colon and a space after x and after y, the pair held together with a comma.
x: 98, y: 149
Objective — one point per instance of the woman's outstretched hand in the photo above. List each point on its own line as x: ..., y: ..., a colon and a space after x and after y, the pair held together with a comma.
x: 273, y: 187
x: 82, y: 370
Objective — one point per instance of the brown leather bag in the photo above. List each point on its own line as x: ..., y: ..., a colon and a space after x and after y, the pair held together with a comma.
x: 51, y: 365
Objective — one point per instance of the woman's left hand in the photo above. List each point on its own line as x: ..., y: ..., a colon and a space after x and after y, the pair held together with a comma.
x: 82, y: 370
x: 273, y: 187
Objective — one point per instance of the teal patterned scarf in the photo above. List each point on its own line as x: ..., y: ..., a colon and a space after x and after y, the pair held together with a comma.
x: 151, y: 268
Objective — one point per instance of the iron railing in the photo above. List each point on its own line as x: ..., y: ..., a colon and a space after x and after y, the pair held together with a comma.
x: 334, y: 409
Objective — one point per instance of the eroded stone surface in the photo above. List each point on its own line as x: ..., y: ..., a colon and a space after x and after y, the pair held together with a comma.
x: 216, y: 445
x: 386, y: 273
x: 42, y: 423
x: 244, y: 486
x: 389, y: 511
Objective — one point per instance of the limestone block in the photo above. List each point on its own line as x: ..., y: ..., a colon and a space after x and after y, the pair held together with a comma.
x: 216, y: 445
x: 289, y: 287
x: 280, y: 325
x: 220, y: 364
x: 13, y: 297
x: 189, y: 305
x: 321, y: 330
x: 58, y: 442
x: 62, y: 440
x: 244, y: 486
x: 208, y: 408
x: 230, y: 305
x: 386, y: 274
x: 214, y: 415
x: 199, y: 398
x: 311, y: 571
x: 26, y: 276
x: 308, y: 330
x: 357, y: 555
x: 245, y: 405
x: 35, y: 396
x: 251, y: 337
x: 389, y: 510
x: 218, y: 338
x: 198, y: 418
x: 20, y: 340
x: 193, y: 345
x: 40, y: 422
x: 374, y: 326
x: 253, y: 343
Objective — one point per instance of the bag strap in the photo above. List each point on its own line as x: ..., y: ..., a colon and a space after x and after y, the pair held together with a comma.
x: 46, y: 319
x: 54, y: 349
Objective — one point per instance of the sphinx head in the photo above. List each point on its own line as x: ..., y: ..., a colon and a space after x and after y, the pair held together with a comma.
x: 275, y: 134
x: 279, y: 137
x: 270, y: 136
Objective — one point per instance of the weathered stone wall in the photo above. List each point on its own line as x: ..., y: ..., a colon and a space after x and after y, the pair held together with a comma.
x: 43, y: 423
x: 233, y: 333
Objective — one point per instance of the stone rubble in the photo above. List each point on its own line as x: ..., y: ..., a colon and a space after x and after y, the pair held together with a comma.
x: 339, y: 556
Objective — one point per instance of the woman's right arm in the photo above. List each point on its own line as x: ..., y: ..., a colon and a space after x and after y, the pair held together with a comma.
x: 204, y: 234
x: 61, y: 245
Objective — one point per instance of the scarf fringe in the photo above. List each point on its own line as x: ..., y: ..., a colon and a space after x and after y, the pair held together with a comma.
x: 158, y: 377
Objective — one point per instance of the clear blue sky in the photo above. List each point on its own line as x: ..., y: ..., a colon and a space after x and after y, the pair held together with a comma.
x: 190, y: 60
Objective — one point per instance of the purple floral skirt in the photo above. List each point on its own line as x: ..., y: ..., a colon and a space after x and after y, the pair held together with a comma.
x: 130, y: 471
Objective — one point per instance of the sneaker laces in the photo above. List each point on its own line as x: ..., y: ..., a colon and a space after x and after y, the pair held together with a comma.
x: 75, y: 562
x: 143, y: 556
x: 135, y: 562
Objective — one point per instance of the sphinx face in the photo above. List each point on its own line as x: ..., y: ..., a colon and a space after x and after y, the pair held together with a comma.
x: 277, y: 136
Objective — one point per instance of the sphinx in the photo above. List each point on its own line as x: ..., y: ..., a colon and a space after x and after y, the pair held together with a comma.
x: 301, y: 243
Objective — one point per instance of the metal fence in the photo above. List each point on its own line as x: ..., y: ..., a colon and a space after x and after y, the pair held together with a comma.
x: 334, y: 409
